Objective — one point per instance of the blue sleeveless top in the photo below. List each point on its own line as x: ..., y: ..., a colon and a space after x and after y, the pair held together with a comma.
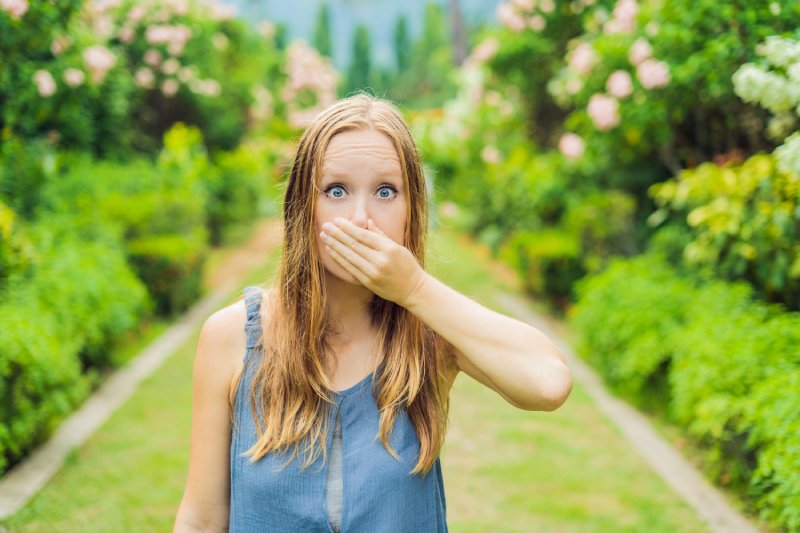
x: 378, y: 493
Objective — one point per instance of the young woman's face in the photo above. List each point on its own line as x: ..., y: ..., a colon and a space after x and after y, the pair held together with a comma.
x: 361, y: 179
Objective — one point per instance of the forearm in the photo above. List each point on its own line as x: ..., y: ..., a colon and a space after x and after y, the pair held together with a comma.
x: 520, y: 361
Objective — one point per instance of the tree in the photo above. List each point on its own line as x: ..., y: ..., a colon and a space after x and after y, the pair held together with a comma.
x: 359, y: 73
x: 322, y: 32
x: 402, y: 43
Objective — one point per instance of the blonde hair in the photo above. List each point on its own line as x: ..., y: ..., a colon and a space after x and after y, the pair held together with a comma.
x: 290, y: 386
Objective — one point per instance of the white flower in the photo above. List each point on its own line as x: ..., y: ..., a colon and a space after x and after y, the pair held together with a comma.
x: 788, y: 155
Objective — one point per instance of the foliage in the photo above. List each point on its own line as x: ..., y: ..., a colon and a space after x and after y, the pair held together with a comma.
x: 113, y: 77
x: 702, y: 351
x: 358, y: 76
x: 61, y: 315
x: 744, y: 222
x: 322, y: 32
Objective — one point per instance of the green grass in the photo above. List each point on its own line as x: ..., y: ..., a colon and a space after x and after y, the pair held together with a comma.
x: 504, y: 469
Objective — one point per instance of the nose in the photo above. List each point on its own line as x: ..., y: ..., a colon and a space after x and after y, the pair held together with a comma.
x: 360, y: 215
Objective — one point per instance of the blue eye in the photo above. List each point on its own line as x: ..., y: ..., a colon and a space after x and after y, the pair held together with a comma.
x: 327, y: 191
x: 387, y: 188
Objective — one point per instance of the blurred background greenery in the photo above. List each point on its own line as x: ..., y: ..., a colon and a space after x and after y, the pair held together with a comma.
x: 637, y: 163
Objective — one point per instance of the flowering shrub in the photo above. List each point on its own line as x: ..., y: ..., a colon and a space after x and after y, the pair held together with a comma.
x: 630, y: 84
x: 778, y: 90
x: 744, y: 222
x: 311, y: 84
x: 109, y: 76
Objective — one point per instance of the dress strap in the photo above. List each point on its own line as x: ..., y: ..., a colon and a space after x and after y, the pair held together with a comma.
x: 252, y: 299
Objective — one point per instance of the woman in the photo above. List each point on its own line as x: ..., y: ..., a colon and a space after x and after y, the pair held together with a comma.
x: 349, y: 360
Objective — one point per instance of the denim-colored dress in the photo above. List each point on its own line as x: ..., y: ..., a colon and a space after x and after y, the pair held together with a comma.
x: 361, y: 487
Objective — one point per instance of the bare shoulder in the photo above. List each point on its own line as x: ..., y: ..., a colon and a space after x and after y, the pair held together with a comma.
x: 223, y: 342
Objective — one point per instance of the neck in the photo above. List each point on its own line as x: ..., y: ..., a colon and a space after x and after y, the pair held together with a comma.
x: 349, y: 308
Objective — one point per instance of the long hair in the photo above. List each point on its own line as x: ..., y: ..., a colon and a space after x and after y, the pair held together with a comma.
x: 290, y: 387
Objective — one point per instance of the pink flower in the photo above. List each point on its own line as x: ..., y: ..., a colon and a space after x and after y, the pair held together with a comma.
x: 640, y: 51
x: 547, y: 6
x: 653, y: 74
x: 623, y: 18
x: 144, y: 77
x: 45, y: 83
x: 604, y: 111
x: 186, y: 74
x: 266, y: 29
x: 136, y: 13
x: 619, y: 84
x: 169, y: 87
x: 485, y: 50
x: 99, y: 61
x: 152, y: 57
x: 222, y: 12
x: 15, y: 8
x: 509, y: 17
x: 73, y: 77
x: 525, y: 5
x: 583, y: 59
x: 60, y: 44
x: 170, y: 66
x: 571, y: 146
x: 537, y: 22
x: 448, y: 209
x: 574, y: 85
x: 126, y: 35
x: 490, y: 155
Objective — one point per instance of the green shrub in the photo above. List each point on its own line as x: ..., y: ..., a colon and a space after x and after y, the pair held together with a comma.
x: 60, y: 317
x: 172, y: 267
x: 730, y: 345
x: 26, y: 167
x: 237, y: 186
x: 709, y: 357
x: 772, y: 414
x: 628, y: 316
x: 548, y: 261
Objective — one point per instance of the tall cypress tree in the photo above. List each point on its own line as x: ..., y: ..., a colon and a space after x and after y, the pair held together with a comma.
x: 402, y: 43
x: 322, y: 32
x: 359, y: 74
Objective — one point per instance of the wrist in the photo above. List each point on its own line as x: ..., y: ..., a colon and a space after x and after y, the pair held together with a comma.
x: 414, y: 297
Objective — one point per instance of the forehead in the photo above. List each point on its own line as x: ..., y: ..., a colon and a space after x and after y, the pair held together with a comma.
x: 349, y: 151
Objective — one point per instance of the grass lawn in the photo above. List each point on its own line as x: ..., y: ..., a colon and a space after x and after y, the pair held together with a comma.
x: 504, y: 469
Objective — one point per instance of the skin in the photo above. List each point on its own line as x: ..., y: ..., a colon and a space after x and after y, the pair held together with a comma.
x: 361, y: 182
x: 361, y: 245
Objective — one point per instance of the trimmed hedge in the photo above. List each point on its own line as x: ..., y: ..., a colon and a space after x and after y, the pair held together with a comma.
x: 724, y: 366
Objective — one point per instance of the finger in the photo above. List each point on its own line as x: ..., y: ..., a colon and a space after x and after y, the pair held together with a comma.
x: 373, y: 227
x: 351, y: 255
x: 335, y: 234
x: 366, y: 237
x: 347, y: 265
